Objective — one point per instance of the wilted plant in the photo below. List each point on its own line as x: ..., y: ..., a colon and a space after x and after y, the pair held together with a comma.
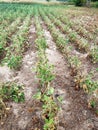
x: 10, y: 91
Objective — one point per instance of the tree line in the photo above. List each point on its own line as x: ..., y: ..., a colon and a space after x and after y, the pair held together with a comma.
x: 79, y: 2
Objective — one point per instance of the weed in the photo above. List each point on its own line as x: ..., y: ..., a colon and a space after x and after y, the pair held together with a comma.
x: 93, y: 103
x: 15, y: 62
x: 94, y: 54
x: 74, y: 62
x: 97, y: 112
x: 91, y: 85
x: 9, y: 92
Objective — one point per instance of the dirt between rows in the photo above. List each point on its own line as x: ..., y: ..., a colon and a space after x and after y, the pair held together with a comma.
x: 74, y: 114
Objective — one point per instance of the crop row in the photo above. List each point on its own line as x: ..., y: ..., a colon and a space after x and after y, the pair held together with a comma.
x: 83, y: 44
x: 61, y: 41
x: 14, y: 38
x: 81, y: 24
x: 81, y: 80
x: 14, y: 52
x: 6, y: 35
x: 45, y: 76
x: 10, y: 13
x: 77, y: 27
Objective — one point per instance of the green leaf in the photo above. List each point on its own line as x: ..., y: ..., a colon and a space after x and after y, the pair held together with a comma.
x: 97, y: 69
x: 37, y: 96
x: 60, y: 99
x: 50, y: 91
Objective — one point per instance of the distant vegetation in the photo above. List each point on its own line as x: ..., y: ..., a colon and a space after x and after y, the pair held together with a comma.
x: 88, y: 3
